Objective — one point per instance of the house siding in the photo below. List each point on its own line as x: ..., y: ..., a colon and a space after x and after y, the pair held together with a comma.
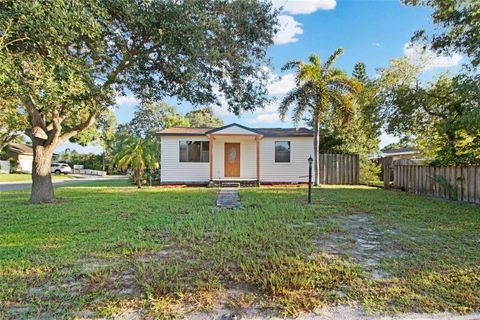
x: 248, y: 154
x: 234, y: 130
x: 174, y: 171
x: 292, y: 172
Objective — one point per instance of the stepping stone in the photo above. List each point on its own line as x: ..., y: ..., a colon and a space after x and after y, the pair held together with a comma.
x: 228, y: 198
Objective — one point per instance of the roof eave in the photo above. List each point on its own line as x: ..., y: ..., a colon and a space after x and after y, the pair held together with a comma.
x: 181, y: 134
x: 231, y: 125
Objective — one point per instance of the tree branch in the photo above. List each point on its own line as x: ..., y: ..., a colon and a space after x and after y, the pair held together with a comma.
x: 39, y: 129
x: 85, y: 125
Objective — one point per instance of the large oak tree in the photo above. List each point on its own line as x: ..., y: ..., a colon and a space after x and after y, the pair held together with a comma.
x: 65, y: 61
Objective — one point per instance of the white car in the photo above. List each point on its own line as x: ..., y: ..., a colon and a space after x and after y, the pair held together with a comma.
x: 60, y: 168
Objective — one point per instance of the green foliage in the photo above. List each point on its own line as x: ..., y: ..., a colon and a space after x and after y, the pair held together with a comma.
x: 434, y: 116
x: 361, y: 135
x: 452, y: 189
x: 324, y: 93
x: 321, y: 90
x: 203, y: 118
x: 149, y: 118
x: 65, y: 61
x: 396, y: 145
x: 138, y: 153
x: 12, y: 122
x: 458, y: 27
x: 88, y: 160
x: 176, y: 120
x: 360, y: 72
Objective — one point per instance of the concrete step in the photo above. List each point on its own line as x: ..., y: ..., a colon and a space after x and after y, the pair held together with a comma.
x: 233, y: 183
x: 228, y: 184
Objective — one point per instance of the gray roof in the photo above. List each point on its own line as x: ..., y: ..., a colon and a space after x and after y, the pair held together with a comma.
x: 267, y: 132
x: 20, y: 148
x: 286, y: 132
x: 401, y: 150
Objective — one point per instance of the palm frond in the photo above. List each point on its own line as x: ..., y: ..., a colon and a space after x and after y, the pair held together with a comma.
x: 343, y: 106
x: 291, y: 97
x: 298, y: 112
x: 341, y: 81
x: 292, y: 64
x: 315, y: 60
x: 331, y: 60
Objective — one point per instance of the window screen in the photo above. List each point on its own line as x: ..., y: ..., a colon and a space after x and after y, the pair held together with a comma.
x: 194, y: 151
x: 282, y: 151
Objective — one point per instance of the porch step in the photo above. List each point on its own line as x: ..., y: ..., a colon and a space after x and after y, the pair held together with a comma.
x: 229, y: 184
x: 233, y: 183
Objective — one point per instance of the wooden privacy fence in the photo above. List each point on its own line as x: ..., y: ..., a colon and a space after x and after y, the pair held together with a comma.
x: 458, y: 183
x: 339, y: 168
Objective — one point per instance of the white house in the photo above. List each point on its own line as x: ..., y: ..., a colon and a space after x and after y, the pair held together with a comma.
x: 235, y: 153
x: 22, y: 155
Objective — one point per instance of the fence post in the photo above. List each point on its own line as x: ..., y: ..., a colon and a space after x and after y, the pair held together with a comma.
x: 387, y: 162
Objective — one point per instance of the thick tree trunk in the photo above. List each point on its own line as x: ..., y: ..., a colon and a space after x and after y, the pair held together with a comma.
x: 42, y: 187
x: 139, y: 178
x: 316, y: 140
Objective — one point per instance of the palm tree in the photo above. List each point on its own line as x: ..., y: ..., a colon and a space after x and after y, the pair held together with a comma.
x: 320, y: 90
x: 139, y: 154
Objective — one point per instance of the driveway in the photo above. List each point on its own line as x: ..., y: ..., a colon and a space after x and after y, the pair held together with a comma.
x: 10, y: 186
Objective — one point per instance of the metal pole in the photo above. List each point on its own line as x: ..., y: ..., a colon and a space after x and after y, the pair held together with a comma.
x: 309, y: 180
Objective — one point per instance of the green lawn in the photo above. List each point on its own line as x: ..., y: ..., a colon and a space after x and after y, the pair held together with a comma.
x: 23, y: 177
x: 109, y: 247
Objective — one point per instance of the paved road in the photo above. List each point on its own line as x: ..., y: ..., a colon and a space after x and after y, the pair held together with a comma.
x: 10, y: 186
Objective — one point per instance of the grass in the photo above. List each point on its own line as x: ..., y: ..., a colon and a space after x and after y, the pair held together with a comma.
x: 106, y: 247
x: 23, y: 177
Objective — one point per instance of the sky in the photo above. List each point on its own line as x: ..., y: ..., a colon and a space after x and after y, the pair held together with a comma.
x: 370, y: 31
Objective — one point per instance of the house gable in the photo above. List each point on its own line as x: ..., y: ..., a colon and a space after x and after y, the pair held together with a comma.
x: 235, y: 129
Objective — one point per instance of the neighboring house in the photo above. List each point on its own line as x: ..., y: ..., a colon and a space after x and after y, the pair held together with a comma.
x: 22, y: 155
x: 400, y: 156
x: 235, y: 153
x: 402, y: 153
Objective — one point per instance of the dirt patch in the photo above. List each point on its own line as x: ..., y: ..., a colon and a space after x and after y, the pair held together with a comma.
x: 356, y: 236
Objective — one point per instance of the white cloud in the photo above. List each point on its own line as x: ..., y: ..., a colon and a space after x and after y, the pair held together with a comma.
x: 376, y: 44
x: 269, y: 108
x: 304, y: 6
x: 268, y: 115
x: 288, y: 30
x: 386, y: 139
x: 265, y: 118
x: 221, y: 111
x: 427, y: 59
x: 126, y: 100
x: 281, y: 86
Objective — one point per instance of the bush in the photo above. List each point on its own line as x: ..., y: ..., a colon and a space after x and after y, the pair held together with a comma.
x: 369, y: 172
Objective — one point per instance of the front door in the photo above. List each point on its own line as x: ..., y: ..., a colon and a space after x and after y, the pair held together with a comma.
x: 232, y: 159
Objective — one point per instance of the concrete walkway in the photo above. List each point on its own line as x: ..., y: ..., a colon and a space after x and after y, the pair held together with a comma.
x: 228, y: 198
x: 11, y: 186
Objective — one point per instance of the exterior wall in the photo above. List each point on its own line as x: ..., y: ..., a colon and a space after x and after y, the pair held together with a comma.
x: 4, y: 166
x: 25, y: 163
x: 248, y: 157
x: 174, y: 171
x: 293, y: 172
